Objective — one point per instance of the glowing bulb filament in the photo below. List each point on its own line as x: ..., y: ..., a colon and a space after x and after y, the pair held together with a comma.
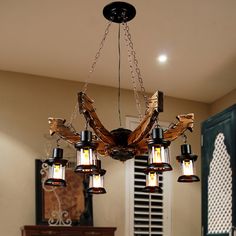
x: 156, y: 155
x: 85, y: 160
x: 187, y: 167
x: 152, y: 179
x: 57, y: 174
x: 97, y: 183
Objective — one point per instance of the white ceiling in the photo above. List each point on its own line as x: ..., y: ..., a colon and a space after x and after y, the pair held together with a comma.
x: 59, y: 38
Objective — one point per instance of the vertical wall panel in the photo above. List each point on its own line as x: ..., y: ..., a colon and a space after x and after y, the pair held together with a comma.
x: 219, y: 173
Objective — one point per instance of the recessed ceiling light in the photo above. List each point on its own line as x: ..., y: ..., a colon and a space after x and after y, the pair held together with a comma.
x: 162, y: 58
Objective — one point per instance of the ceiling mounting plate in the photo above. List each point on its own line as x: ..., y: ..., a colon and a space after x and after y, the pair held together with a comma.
x: 119, y: 12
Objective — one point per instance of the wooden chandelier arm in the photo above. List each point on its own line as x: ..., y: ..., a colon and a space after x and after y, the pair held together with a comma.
x: 102, y: 149
x: 57, y: 126
x: 154, y: 107
x: 143, y: 128
x: 87, y: 109
x: 142, y: 146
x: 185, y: 122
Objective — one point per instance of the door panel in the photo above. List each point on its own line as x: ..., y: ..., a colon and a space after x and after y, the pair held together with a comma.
x: 218, y: 173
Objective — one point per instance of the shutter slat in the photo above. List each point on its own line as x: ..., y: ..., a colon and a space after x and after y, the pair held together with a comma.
x: 147, y: 200
x: 153, y: 213
x: 148, y: 208
x: 145, y: 220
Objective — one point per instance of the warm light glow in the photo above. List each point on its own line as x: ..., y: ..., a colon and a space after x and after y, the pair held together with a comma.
x: 162, y: 58
x: 97, y: 181
x: 85, y: 155
x: 188, y: 167
x: 152, y: 180
x: 157, y: 154
x: 57, y: 171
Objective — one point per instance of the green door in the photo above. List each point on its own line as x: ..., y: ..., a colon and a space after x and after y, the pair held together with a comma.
x: 218, y: 174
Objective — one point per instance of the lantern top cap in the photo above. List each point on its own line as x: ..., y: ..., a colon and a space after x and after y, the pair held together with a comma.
x: 86, y: 140
x: 57, y: 153
x: 158, y: 137
x: 186, y: 153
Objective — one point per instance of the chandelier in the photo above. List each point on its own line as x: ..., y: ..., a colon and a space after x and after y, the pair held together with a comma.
x: 121, y: 144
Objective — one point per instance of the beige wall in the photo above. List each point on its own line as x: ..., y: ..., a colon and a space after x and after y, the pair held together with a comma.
x: 27, y: 101
x: 224, y: 102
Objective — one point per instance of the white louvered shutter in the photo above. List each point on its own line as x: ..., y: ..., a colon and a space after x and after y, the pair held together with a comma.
x: 146, y: 214
x: 148, y: 208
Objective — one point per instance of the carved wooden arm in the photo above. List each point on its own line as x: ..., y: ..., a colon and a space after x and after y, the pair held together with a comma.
x: 87, y: 109
x: 136, y: 141
x: 184, y: 122
x: 57, y: 126
x: 154, y: 107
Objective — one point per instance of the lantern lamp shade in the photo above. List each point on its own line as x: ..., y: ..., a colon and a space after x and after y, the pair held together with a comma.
x: 188, y: 172
x: 56, y: 169
x: 85, y: 160
x: 187, y: 167
x: 186, y: 160
x: 156, y: 154
x: 158, y: 158
x: 96, y: 184
x: 56, y: 175
x: 96, y: 180
x: 152, y: 183
x: 86, y: 153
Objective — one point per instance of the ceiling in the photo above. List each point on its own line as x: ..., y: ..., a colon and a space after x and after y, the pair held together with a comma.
x: 59, y: 38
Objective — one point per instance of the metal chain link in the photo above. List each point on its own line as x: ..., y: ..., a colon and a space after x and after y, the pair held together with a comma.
x: 135, y: 61
x: 97, y: 55
x: 133, y: 65
x: 92, y: 68
x: 132, y: 69
x: 74, y: 114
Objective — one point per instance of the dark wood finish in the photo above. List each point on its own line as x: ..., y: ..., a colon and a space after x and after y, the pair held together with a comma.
x: 36, y: 230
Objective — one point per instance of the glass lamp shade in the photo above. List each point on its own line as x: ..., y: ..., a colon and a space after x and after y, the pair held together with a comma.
x: 56, y: 169
x: 152, y: 183
x: 96, y: 184
x: 158, y: 158
x: 187, y: 167
x: 187, y: 160
x: 86, y: 153
x: 96, y: 180
x: 156, y: 154
x: 56, y: 175
x: 85, y: 160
